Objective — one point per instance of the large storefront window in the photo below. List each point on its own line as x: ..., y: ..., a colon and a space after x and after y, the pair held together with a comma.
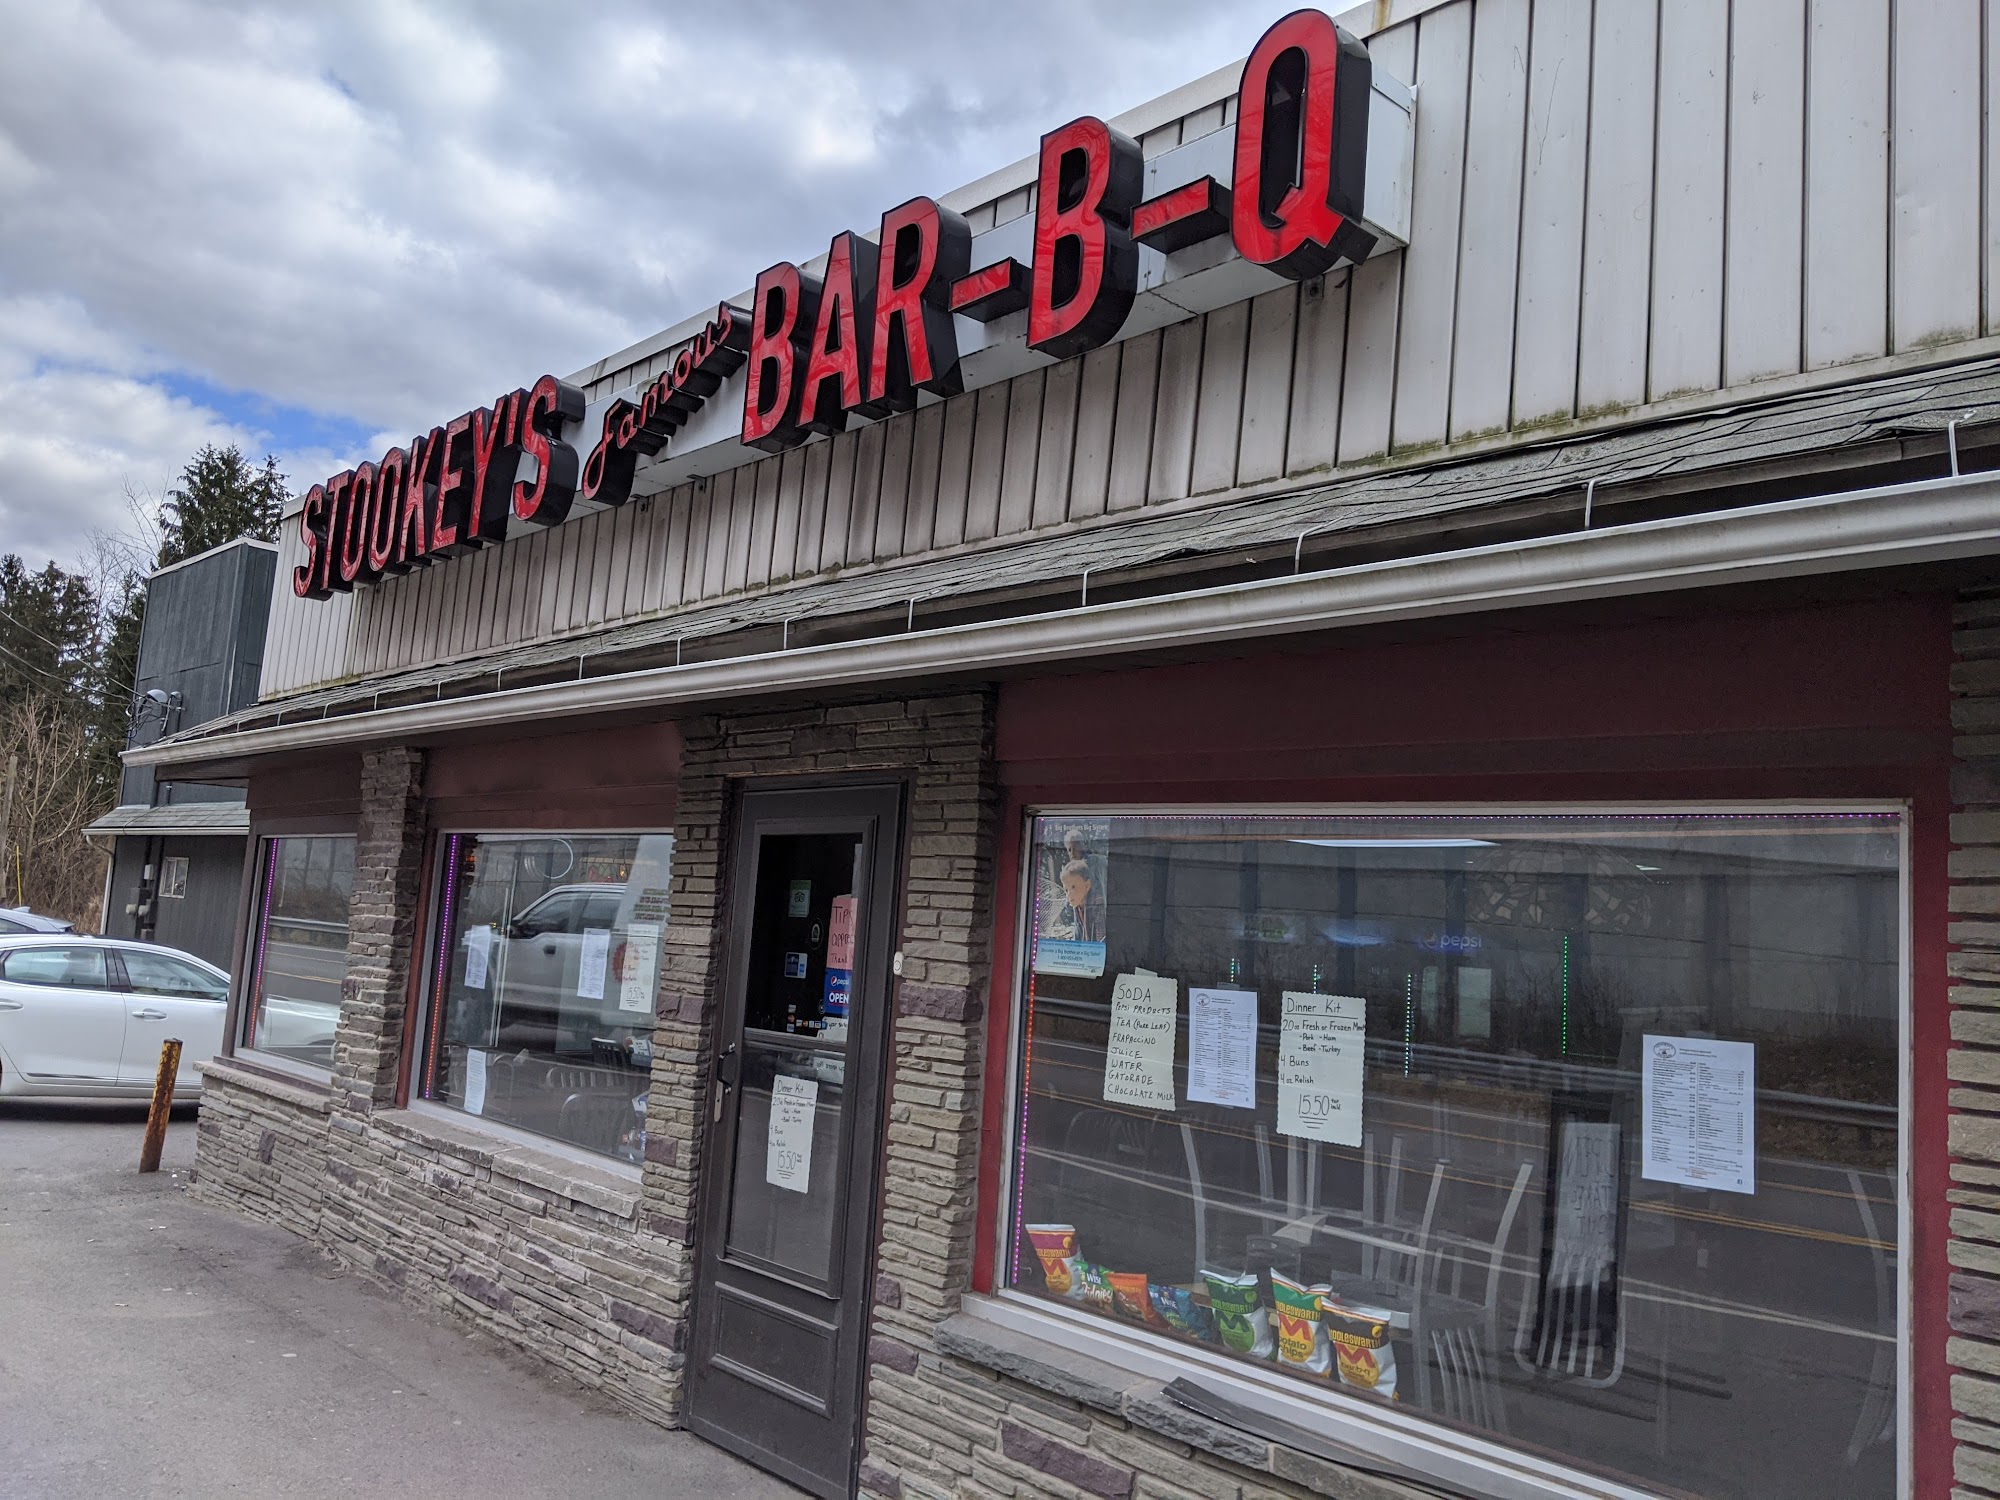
x: 1578, y: 1132
x: 298, y: 947
x: 544, y: 983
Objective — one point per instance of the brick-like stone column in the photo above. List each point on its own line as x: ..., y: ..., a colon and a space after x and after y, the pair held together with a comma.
x: 382, y: 929
x: 1974, y: 1060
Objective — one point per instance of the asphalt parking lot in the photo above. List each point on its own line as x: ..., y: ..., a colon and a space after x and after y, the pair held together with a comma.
x: 150, y: 1345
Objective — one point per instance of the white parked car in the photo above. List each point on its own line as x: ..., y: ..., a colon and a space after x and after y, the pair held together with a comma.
x: 84, y: 1017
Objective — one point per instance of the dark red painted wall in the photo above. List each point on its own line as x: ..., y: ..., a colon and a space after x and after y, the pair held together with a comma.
x: 1846, y: 701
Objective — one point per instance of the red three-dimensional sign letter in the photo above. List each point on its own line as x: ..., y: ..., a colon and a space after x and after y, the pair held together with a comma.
x: 1086, y: 269
x: 1302, y: 149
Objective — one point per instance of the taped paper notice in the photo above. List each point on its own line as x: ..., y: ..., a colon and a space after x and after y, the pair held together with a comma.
x: 475, y: 1081
x: 788, y: 1144
x: 1139, y: 1057
x: 1222, y: 1048
x: 596, y: 957
x: 478, y: 951
x: 1322, y: 1040
x: 1700, y: 1113
x: 840, y: 934
x: 640, y: 971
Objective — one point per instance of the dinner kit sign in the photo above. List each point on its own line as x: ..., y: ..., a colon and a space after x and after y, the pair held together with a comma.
x: 878, y: 324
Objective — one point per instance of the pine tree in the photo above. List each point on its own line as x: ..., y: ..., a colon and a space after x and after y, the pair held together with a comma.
x: 221, y: 496
x: 48, y: 635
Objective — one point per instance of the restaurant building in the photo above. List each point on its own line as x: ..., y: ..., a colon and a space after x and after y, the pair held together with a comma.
x: 1301, y: 798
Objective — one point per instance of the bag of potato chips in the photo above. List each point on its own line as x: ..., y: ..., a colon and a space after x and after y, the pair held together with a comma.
x: 1055, y: 1247
x: 1302, y: 1341
x: 1240, y: 1315
x: 1363, y: 1355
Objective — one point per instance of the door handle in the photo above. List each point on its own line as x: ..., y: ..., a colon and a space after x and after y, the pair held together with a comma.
x: 149, y: 1015
x: 10, y: 1004
x: 549, y: 948
x: 726, y: 1071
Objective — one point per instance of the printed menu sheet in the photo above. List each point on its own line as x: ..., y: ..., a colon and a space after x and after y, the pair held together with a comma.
x: 1322, y: 1040
x: 1700, y: 1113
x: 595, y: 959
x: 639, y: 968
x: 1222, y: 1048
x: 1139, y: 1057
x: 788, y: 1143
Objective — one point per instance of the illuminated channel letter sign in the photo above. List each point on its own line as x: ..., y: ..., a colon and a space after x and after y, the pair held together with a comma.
x: 877, y: 325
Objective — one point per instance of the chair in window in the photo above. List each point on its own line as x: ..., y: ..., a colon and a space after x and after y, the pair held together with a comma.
x: 1421, y: 1274
x: 1193, y: 1139
x: 1106, y: 1184
x: 1876, y: 1422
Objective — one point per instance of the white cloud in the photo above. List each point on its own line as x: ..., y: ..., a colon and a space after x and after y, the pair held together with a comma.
x: 382, y: 214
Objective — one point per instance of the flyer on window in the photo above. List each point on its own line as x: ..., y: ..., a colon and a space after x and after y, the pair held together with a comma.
x: 1322, y: 1044
x: 1070, y: 870
x: 1139, y: 1053
x: 1700, y: 1102
x: 1222, y: 1047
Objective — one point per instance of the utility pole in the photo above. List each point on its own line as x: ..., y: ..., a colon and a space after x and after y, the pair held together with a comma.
x: 7, y: 824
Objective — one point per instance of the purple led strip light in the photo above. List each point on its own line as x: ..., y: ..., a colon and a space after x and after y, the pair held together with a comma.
x: 443, y: 963
x: 263, y: 936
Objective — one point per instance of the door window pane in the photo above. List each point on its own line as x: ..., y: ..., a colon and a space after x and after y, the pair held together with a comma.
x: 162, y: 974
x: 298, y: 948
x: 69, y: 968
x: 788, y: 1189
x: 545, y: 983
x: 1581, y: 1131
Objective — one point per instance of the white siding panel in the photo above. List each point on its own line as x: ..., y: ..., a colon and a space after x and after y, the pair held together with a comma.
x: 1767, y: 111
x: 1218, y: 416
x: 1132, y: 430
x: 1174, y: 410
x: 839, y: 500
x: 1023, y: 451
x: 1267, y: 386
x: 1686, y: 352
x: 898, y: 436
x: 1430, y: 266
x: 955, y: 470
x: 1096, y: 407
x: 1552, y: 210
x: 1847, y: 182
x: 812, y: 510
x: 1318, y: 352
x: 1618, y: 208
x: 1935, y: 254
x: 926, y: 455
x: 1482, y: 371
x: 763, y: 523
x: 1058, y: 443
x: 1369, y: 375
x: 989, y: 454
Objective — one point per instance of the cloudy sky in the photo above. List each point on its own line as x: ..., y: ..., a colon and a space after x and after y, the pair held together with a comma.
x: 312, y: 230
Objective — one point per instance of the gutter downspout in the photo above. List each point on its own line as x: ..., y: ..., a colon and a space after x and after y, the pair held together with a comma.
x: 1888, y: 526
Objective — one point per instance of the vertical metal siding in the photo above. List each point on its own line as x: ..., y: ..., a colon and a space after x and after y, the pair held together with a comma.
x: 1616, y: 202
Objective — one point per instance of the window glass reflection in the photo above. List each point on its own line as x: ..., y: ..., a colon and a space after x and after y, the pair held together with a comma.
x: 1580, y: 1131
x: 298, y: 947
x: 545, y: 982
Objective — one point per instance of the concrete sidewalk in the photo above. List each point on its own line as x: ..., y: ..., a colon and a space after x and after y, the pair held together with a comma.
x: 153, y: 1346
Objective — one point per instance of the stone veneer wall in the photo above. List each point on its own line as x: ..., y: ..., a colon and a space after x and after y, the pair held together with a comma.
x: 1974, y: 1060
x: 593, y: 1271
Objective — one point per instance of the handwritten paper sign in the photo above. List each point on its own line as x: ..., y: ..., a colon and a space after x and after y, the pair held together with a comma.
x: 1139, y: 1057
x: 788, y: 1143
x: 1222, y: 1047
x: 640, y: 970
x: 840, y: 934
x: 596, y: 958
x: 1700, y: 1113
x: 478, y: 950
x: 1321, y: 1042
x: 1588, y: 1172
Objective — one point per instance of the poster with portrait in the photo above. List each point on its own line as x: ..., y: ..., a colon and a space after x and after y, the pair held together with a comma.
x: 1070, y: 891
